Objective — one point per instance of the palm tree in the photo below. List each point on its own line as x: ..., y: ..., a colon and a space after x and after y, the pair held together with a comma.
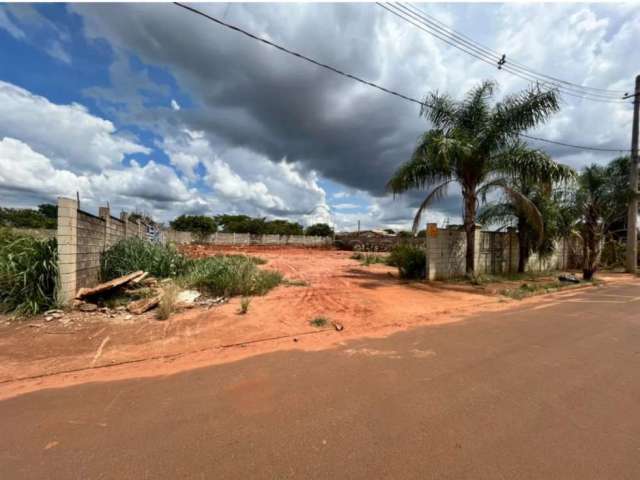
x: 476, y: 145
x: 597, y: 210
x: 537, y: 232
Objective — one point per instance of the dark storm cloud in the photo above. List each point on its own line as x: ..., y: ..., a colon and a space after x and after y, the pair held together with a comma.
x: 250, y: 95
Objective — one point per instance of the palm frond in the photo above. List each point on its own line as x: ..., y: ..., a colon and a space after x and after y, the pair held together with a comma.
x: 501, y: 213
x: 429, y: 164
x: 520, y: 112
x: 518, y: 160
x: 525, y: 206
x: 441, y: 110
x: 435, y: 194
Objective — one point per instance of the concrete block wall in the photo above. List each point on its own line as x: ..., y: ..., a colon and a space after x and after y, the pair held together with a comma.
x: 245, y: 239
x: 496, y: 253
x: 82, y: 238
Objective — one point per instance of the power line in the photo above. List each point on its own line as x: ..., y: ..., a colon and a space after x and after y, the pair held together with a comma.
x: 354, y: 77
x: 597, y: 149
x: 490, y: 57
x: 463, y: 37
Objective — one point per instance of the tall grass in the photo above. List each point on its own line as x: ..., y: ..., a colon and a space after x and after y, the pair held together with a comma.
x: 28, y: 273
x: 230, y: 275
x: 226, y: 275
x: 133, y: 254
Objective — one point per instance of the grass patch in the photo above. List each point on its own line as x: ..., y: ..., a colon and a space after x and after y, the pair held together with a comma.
x: 229, y: 276
x: 319, y: 322
x: 133, y: 254
x: 530, y: 289
x: 368, y: 258
x: 226, y: 275
x: 28, y: 273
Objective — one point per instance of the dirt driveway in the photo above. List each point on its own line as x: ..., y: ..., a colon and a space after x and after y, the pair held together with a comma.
x: 368, y: 301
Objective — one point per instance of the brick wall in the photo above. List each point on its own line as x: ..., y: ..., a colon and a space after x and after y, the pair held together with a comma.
x: 247, y: 239
x: 496, y: 253
x: 82, y: 237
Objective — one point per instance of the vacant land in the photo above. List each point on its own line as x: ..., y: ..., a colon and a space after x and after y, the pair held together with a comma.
x: 366, y: 300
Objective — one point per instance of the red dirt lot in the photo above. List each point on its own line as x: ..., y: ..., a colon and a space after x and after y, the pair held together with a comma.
x: 368, y: 301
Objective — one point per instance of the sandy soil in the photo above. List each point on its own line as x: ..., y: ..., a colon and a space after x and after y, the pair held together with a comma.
x: 368, y: 301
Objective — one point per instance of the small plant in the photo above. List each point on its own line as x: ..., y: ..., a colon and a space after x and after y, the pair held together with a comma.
x: 356, y: 256
x: 244, y: 305
x: 167, y: 301
x: 410, y: 260
x: 319, y: 322
x: 295, y: 283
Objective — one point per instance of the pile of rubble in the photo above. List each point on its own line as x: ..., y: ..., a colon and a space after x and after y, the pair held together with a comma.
x: 146, y: 290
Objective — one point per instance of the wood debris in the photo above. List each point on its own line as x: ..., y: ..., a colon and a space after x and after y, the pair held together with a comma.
x: 111, y: 284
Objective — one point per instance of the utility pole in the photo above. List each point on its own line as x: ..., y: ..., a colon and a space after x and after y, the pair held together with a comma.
x: 632, y: 219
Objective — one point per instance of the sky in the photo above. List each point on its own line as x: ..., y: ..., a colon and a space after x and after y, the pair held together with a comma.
x: 151, y: 108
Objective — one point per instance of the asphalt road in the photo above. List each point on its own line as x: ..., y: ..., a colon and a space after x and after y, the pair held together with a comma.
x: 550, y: 392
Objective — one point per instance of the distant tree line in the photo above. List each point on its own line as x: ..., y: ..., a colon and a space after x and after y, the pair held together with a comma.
x: 206, y: 225
x: 46, y: 216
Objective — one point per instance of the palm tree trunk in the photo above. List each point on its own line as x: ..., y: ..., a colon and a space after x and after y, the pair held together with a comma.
x: 470, y: 203
x: 523, y: 246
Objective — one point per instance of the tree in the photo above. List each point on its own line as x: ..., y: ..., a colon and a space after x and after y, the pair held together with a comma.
x: 283, y: 227
x: 320, y: 230
x: 476, y: 145
x: 536, y: 233
x: 49, y: 210
x: 597, y: 210
x: 201, y: 225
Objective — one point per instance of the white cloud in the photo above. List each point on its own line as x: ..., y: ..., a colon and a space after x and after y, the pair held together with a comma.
x: 9, y: 25
x: 345, y: 206
x: 175, y: 105
x: 69, y: 135
x: 23, y: 169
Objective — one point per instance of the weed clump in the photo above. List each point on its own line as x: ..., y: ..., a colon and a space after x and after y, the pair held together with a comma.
x: 167, y: 301
x: 28, y: 273
x: 319, y: 322
x: 133, y: 254
x: 410, y: 260
x: 230, y: 275
x: 244, y: 305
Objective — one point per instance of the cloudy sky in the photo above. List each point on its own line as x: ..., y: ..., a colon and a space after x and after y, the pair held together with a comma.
x: 153, y: 108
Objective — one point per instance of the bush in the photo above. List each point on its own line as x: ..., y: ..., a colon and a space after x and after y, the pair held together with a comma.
x: 410, y: 260
x: 28, y: 273
x: 319, y: 229
x: 200, y: 225
x: 231, y: 275
x: 133, y: 254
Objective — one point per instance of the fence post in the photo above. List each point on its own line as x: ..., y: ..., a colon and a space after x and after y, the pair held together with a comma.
x: 67, y: 238
x: 105, y: 214
x: 124, y: 217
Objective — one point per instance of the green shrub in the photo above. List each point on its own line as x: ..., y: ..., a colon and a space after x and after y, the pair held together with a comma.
x: 133, y: 254
x: 319, y: 322
x: 28, y: 273
x: 231, y: 275
x: 410, y: 260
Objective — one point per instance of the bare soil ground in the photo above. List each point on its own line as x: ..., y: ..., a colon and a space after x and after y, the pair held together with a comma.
x: 368, y: 301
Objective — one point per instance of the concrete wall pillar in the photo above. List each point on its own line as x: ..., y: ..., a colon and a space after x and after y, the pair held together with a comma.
x: 67, y: 238
x: 105, y: 214
x: 124, y: 217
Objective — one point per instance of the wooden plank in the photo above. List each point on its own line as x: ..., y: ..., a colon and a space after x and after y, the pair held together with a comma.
x: 103, y: 287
